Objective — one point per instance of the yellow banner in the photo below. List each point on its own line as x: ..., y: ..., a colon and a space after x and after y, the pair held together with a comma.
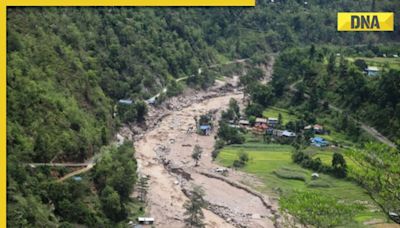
x: 131, y: 3
x: 365, y: 21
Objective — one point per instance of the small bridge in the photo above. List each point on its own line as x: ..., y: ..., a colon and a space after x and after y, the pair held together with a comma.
x: 59, y: 164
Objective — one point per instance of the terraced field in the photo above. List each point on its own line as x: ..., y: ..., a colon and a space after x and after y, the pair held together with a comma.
x: 272, y: 164
x: 274, y: 112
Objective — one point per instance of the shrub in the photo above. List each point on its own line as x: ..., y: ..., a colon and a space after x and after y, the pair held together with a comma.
x: 254, y: 109
x: 252, y: 120
x: 298, y: 156
x: 243, y: 158
x: 339, y: 167
x: 214, y: 154
x: 289, y: 174
x: 230, y: 135
x: 174, y: 89
x: 219, y: 144
x: 318, y: 184
x: 307, y: 162
x: 238, y: 164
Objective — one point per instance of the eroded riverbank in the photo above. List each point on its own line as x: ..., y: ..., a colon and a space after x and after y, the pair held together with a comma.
x: 164, y: 152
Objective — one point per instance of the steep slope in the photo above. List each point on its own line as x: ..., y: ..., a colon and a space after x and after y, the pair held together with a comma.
x: 68, y: 67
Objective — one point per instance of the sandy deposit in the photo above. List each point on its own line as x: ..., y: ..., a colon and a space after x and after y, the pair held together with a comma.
x: 164, y: 154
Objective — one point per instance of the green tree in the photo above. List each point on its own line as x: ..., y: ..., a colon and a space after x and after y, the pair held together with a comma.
x: 331, y: 67
x: 339, y: 167
x: 174, y: 89
x: 111, y: 203
x: 40, y: 148
x: 262, y: 94
x: 280, y: 119
x: 104, y: 136
x: 243, y: 158
x: 361, y: 64
x: 141, y: 110
x: 254, y: 109
x: 193, y: 206
x: 196, y: 154
x: 298, y: 96
x: 313, y: 101
x: 229, y: 134
x: 233, y: 105
x: 252, y: 120
x: 343, y: 67
x: 143, y: 185
x: 312, y: 52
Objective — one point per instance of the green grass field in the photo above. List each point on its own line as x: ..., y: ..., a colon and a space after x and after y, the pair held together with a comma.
x: 380, y: 62
x: 274, y: 112
x: 326, y: 158
x: 265, y: 159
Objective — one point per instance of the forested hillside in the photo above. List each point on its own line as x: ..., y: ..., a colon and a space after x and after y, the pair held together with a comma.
x: 68, y: 67
x: 325, y: 76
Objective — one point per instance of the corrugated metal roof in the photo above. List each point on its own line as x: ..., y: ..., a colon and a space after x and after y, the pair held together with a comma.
x: 125, y: 101
x: 205, y: 127
x: 372, y: 68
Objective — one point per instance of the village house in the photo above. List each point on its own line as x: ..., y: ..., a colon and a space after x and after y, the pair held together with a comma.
x: 261, y: 123
x: 319, y: 142
x: 281, y: 133
x: 308, y: 127
x: 234, y: 125
x: 125, y: 101
x: 318, y: 129
x: 372, y: 71
x: 276, y: 132
x: 244, y: 123
x: 205, y: 129
x: 272, y: 121
x: 288, y: 134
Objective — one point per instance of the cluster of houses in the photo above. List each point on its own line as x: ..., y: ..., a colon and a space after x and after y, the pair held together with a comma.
x: 268, y: 126
x: 260, y: 123
x: 265, y: 125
